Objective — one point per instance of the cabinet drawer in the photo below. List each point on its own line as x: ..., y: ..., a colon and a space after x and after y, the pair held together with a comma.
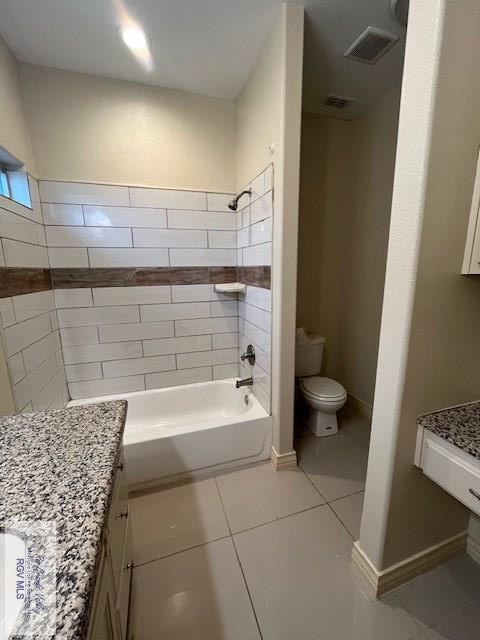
x: 453, y: 472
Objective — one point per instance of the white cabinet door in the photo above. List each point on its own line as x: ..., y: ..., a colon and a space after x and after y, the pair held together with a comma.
x: 103, y: 626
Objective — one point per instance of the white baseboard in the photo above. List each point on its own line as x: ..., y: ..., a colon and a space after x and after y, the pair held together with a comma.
x: 361, y: 406
x: 283, y: 460
x: 473, y: 548
x: 377, y: 583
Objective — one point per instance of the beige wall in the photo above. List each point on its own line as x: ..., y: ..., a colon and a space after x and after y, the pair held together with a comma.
x: 88, y: 128
x: 345, y: 198
x: 14, y: 136
x: 430, y: 339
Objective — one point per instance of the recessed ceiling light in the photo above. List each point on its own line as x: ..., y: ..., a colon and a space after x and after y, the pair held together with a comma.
x: 133, y: 37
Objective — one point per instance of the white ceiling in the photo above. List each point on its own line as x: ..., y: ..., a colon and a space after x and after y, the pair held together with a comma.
x: 204, y: 46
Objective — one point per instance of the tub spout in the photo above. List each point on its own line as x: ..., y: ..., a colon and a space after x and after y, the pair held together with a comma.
x: 246, y: 382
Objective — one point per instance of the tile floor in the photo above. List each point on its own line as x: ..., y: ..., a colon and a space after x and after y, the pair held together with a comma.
x: 258, y: 554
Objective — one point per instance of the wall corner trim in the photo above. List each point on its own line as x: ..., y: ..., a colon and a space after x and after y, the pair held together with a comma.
x: 377, y: 583
x: 282, y: 461
x: 473, y: 548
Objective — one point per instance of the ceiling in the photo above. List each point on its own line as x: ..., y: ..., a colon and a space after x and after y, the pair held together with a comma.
x: 205, y: 46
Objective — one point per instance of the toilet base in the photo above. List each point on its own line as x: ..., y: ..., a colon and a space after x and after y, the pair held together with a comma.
x: 322, y: 424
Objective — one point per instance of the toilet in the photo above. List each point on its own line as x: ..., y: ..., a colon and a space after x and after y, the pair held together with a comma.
x: 323, y: 396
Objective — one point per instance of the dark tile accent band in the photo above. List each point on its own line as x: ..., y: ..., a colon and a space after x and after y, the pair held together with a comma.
x: 140, y: 276
x: 15, y: 281
x: 255, y: 276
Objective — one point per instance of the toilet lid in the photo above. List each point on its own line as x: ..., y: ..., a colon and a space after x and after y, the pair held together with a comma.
x: 323, y: 387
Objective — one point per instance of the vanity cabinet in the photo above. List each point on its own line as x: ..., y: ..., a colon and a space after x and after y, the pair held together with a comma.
x: 471, y: 259
x: 450, y: 467
x: 109, y: 614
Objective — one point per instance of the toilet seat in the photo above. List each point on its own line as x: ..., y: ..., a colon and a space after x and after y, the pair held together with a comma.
x: 324, y: 389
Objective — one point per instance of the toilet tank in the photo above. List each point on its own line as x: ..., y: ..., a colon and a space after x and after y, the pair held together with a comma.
x: 308, y: 356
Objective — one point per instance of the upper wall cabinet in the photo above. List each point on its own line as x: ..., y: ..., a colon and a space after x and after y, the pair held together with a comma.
x: 471, y: 259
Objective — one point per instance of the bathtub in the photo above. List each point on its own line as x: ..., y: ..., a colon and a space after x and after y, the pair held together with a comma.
x: 190, y: 430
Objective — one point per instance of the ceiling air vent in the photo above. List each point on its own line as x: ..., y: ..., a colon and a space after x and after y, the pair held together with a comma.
x: 371, y: 45
x: 339, y: 102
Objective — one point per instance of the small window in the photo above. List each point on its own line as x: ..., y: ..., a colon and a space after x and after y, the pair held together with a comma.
x: 13, y: 179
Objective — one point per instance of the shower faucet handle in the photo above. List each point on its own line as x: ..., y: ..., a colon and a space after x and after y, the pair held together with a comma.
x: 249, y: 355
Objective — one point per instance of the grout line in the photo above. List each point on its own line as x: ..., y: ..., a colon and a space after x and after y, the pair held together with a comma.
x: 238, y: 558
x: 340, y: 521
x: 176, y: 553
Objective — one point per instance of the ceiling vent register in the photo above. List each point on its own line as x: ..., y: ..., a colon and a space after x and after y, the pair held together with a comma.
x: 371, y: 45
x: 339, y: 102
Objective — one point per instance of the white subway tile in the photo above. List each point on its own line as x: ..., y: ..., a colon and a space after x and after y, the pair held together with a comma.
x: 23, y: 334
x: 261, y: 232
x: 68, y: 258
x: 63, y: 214
x: 259, y: 254
x: 174, y: 378
x: 154, y: 364
x: 88, y: 237
x: 239, y: 217
x: 78, y: 297
x: 196, y: 293
x: 243, y: 238
x: 60, y: 402
x: 72, y: 336
x: 33, y: 382
x: 206, y: 358
x: 97, y: 315
x: 256, y: 316
x: 36, y: 353
x: 259, y: 297
x: 46, y: 396
x: 198, y: 220
x: 30, y: 305
x: 177, y: 311
x: 239, y: 258
x: 99, y: 352
x: 7, y: 313
x: 256, y: 336
x: 169, y: 238
x: 110, y: 386
x: 206, y: 325
x: 54, y: 320
x: 222, y: 239
x: 19, y: 209
x: 262, y: 396
x: 41, y: 237
x: 246, y: 217
x: 16, y: 367
x: 268, y: 177
x: 105, y: 296
x: 97, y: 216
x: 258, y: 186
x: 224, y: 341
x: 219, y: 201
x: 135, y: 331
x: 128, y: 257
x: 20, y: 254
x: 224, y: 308
x: 23, y: 231
x: 7, y: 217
x: 79, y: 372
x: 203, y: 257
x: 168, y: 198
x: 177, y: 345
x: 83, y: 193
x: 224, y: 371
x: 261, y: 208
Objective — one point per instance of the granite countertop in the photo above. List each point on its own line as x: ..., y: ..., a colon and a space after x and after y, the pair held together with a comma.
x: 459, y: 425
x: 60, y: 466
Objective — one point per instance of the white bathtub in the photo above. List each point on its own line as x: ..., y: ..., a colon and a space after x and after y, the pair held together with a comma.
x: 191, y: 429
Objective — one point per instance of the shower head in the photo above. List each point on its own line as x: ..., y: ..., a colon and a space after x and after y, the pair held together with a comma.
x: 233, y: 204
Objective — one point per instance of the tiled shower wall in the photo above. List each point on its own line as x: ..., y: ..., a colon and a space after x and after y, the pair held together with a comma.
x: 30, y: 334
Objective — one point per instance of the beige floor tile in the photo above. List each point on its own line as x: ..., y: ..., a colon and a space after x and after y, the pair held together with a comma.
x: 198, y: 594
x: 356, y: 426
x: 299, y: 576
x: 438, y: 594
x: 259, y: 494
x: 464, y: 625
x: 336, y: 465
x: 175, y: 519
x: 349, y: 510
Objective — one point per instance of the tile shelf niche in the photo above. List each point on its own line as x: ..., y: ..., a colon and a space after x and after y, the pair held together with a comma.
x: 231, y: 287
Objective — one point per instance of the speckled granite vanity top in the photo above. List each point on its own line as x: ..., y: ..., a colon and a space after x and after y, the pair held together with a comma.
x: 60, y: 465
x: 459, y: 425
